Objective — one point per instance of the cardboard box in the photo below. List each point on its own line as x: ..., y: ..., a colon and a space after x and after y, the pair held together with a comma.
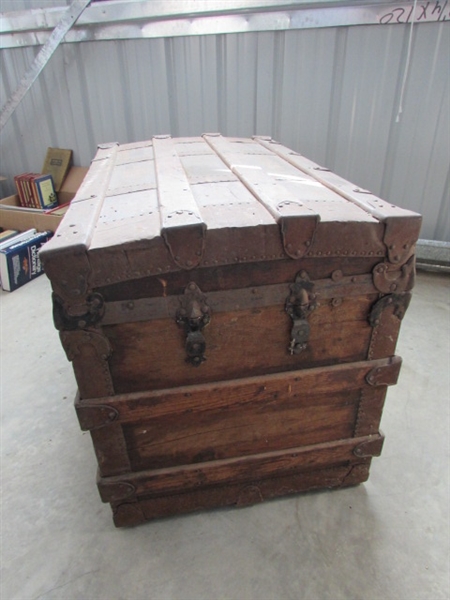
x: 71, y: 184
x: 25, y: 218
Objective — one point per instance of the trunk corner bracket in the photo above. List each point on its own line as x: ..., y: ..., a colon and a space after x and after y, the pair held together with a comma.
x: 95, y: 416
x: 387, y: 281
x: 95, y: 309
x: 371, y: 447
x: 399, y: 302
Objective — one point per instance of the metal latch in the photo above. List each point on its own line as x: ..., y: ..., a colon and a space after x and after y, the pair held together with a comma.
x: 299, y: 305
x: 194, y: 314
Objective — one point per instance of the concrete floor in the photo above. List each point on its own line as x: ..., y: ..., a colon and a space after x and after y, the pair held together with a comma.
x: 386, y: 539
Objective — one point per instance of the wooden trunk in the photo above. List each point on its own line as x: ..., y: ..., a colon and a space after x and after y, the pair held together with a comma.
x: 231, y: 310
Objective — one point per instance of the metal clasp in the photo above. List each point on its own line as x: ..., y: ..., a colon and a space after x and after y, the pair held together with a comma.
x: 193, y: 315
x: 299, y: 305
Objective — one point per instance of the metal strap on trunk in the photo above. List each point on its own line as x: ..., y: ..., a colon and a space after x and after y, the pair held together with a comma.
x: 147, y: 309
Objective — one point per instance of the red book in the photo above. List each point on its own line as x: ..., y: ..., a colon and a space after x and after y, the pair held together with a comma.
x: 28, y: 179
x: 23, y: 184
x: 25, y: 190
x: 32, y: 181
x: 18, y: 183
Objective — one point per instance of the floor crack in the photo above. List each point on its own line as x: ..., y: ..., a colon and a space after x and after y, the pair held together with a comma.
x: 65, y: 584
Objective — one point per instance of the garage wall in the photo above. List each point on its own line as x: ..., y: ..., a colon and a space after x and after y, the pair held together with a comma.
x: 330, y: 93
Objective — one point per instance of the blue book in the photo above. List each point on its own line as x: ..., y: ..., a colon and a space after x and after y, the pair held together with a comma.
x: 45, y: 191
x: 20, y: 262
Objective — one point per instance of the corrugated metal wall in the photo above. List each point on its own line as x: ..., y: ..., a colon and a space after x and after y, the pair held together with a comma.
x: 332, y: 94
x: 14, y: 5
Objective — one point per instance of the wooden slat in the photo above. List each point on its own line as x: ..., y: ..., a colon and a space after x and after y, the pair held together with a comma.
x: 201, y: 423
x: 239, y: 470
x: 258, y: 174
x: 173, y: 186
x: 126, y: 221
x: 197, y: 398
x: 402, y: 225
x: 362, y: 198
x: 239, y: 494
x: 182, y: 225
x: 298, y: 222
x: 77, y: 228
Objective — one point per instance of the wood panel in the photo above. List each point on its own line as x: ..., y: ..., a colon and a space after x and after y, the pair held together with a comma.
x: 239, y: 431
x: 200, y: 423
x: 229, y: 277
x: 151, y: 355
x: 126, y: 514
x: 246, y: 469
x: 307, y: 386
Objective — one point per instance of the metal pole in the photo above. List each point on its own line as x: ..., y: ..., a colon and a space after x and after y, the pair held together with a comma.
x: 57, y: 35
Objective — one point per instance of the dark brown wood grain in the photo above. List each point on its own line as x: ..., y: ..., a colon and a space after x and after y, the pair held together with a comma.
x: 163, y: 482
x: 240, y: 344
x: 369, y: 410
x: 248, y: 469
x: 236, y: 418
x: 126, y: 514
x: 306, y: 386
x: 241, y: 275
x: 214, y: 435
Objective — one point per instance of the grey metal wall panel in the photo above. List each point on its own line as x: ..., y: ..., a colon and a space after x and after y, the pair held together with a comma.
x: 15, y: 5
x: 140, y: 19
x: 332, y: 94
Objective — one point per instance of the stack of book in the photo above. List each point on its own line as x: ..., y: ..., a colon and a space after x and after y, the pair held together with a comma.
x: 19, y: 257
x: 5, y: 236
x: 36, y: 191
